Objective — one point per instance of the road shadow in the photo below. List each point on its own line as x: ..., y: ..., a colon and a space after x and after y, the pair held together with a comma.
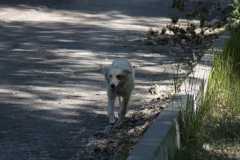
x: 52, y: 88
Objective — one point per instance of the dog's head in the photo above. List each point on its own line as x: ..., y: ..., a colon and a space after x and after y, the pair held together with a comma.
x: 115, y: 76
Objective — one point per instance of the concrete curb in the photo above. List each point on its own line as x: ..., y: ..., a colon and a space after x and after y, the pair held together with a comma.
x: 162, y: 139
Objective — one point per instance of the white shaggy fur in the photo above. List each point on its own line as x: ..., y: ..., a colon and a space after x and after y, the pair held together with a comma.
x: 120, y: 83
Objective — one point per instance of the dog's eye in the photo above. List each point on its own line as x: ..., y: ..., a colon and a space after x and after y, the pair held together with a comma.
x: 110, y: 75
x: 119, y: 76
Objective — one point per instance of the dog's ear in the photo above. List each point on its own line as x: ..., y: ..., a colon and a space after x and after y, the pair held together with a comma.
x: 105, y: 69
x: 127, y: 71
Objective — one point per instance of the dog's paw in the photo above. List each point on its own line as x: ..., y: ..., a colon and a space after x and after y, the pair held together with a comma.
x: 112, y: 119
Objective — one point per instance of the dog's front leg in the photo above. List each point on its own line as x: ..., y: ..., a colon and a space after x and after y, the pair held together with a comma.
x: 111, y: 103
x: 123, y: 108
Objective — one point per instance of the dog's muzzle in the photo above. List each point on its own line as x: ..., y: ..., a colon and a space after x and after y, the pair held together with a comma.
x: 114, y: 88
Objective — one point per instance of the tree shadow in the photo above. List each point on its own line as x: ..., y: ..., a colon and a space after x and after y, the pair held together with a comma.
x: 52, y: 87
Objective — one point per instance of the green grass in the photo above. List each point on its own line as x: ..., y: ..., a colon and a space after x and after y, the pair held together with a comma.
x: 235, y: 14
x: 213, y: 130
x: 126, y: 146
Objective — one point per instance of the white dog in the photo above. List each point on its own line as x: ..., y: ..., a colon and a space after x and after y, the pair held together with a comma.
x: 120, y: 83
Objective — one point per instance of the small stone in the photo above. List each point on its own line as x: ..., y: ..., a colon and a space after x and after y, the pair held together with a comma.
x: 206, y: 147
x: 149, y: 42
x: 214, y: 22
x: 183, y: 41
x: 130, y: 131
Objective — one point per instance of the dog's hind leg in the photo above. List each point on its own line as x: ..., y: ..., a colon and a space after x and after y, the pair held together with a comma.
x: 123, y: 108
x: 111, y: 103
x: 120, y: 100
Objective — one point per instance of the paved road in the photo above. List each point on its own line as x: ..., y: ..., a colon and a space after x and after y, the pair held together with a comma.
x: 51, y: 87
x: 13, y: 9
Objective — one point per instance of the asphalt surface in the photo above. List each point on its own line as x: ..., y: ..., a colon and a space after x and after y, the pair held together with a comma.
x: 13, y: 8
x: 52, y: 90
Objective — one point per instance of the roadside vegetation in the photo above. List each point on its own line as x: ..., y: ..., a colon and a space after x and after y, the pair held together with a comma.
x: 213, y: 130
x: 208, y: 133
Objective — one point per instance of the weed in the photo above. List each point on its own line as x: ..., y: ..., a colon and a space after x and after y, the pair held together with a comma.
x: 176, y: 77
x: 235, y: 14
x: 124, y: 140
x: 212, y: 131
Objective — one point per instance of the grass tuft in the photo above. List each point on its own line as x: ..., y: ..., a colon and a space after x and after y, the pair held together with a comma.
x: 212, y: 131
